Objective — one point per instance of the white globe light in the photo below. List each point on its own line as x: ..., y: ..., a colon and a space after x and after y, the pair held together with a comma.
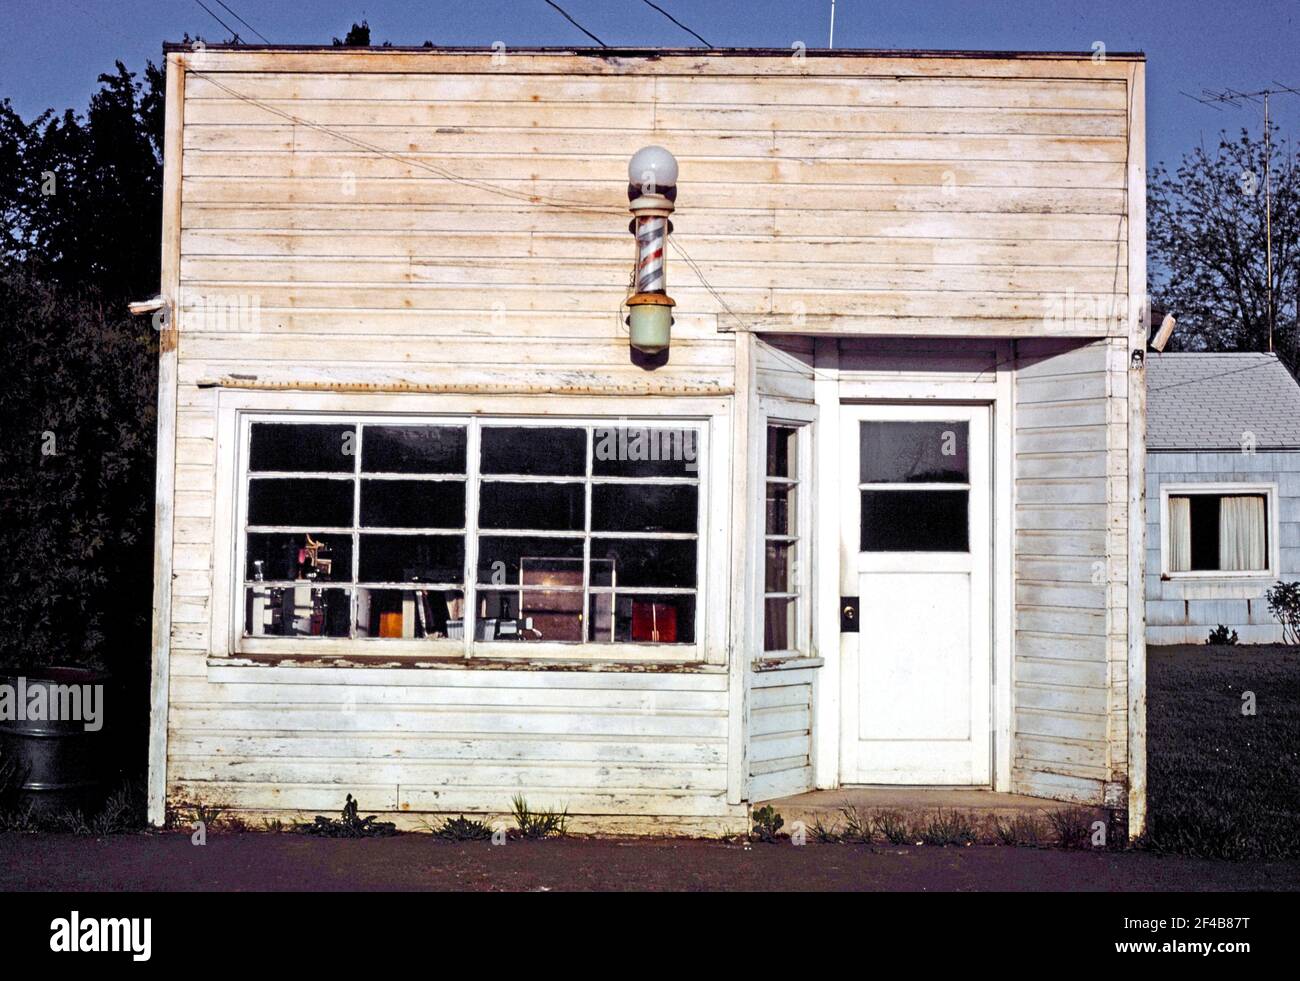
x: 652, y: 165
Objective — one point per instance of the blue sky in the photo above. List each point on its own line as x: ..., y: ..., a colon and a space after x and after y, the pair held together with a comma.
x: 54, y: 49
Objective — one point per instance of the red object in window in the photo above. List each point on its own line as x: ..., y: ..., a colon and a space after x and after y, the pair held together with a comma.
x: 654, y: 623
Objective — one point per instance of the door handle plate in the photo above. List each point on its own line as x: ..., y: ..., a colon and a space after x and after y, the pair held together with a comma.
x: 848, y: 614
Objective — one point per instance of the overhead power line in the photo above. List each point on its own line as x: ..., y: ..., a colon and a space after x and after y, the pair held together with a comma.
x: 245, y: 23
x: 233, y: 34
x: 677, y: 22
x: 565, y: 15
x: 1216, y: 99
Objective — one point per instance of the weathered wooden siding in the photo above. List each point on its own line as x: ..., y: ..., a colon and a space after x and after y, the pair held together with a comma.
x: 784, y: 368
x: 780, y: 733
x: 451, y: 740
x: 1184, y: 612
x: 1071, y: 488
x: 425, y: 194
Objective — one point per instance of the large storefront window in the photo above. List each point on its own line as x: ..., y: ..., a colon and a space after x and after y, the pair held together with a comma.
x: 577, y: 533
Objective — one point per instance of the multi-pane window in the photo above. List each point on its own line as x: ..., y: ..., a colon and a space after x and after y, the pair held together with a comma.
x: 784, y: 610
x: 577, y: 533
x: 355, y: 530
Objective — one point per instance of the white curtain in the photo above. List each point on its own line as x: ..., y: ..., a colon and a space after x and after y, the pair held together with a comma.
x: 1241, y: 533
x: 1180, y: 534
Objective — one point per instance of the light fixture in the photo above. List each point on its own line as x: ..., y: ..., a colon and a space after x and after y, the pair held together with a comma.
x: 652, y: 188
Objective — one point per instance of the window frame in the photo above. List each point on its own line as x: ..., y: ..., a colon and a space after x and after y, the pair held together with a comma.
x: 803, y: 419
x: 1269, y: 490
x: 467, y: 648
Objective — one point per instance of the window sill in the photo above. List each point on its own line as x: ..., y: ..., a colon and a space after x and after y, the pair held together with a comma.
x: 236, y: 668
x: 1219, y: 576
x: 792, y: 662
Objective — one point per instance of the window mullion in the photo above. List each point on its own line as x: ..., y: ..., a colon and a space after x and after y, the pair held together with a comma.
x: 355, y: 605
x: 469, y: 617
x: 586, y: 545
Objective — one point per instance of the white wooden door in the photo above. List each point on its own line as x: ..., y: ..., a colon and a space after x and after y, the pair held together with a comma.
x: 916, y: 552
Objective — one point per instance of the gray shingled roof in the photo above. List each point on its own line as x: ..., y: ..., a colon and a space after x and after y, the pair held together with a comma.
x: 1209, y: 401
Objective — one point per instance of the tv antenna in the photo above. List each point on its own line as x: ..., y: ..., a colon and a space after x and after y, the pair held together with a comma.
x: 1217, y: 99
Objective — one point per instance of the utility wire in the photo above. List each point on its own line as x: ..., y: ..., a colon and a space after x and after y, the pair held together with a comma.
x: 245, y: 23
x: 677, y: 22
x: 565, y: 15
x: 237, y: 38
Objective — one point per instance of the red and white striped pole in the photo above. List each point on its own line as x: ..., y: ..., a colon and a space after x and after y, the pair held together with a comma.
x: 652, y: 188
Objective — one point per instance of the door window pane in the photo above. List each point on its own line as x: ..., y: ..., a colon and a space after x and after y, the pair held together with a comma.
x: 914, y: 452
x: 915, y: 521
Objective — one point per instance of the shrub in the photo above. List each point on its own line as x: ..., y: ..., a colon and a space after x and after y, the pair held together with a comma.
x: 1284, y: 603
x: 463, y: 829
x: 350, y: 825
x: 1222, y: 635
x: 767, y: 823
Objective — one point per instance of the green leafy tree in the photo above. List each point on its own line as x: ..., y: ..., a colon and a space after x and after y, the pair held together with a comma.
x: 1206, y: 239
x: 358, y: 37
x: 81, y: 198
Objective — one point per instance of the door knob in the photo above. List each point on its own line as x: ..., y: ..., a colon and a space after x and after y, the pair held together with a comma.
x: 848, y: 614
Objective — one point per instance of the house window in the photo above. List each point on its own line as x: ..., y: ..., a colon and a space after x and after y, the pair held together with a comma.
x: 1218, y: 532
x: 572, y: 533
x: 785, y: 613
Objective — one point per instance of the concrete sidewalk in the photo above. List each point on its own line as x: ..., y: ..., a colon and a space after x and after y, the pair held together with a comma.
x: 913, y: 802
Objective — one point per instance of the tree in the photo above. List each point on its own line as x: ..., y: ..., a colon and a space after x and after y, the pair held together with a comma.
x: 81, y: 198
x: 358, y: 37
x: 1206, y: 240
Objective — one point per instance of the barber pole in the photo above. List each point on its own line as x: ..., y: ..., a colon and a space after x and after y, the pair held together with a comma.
x: 652, y: 186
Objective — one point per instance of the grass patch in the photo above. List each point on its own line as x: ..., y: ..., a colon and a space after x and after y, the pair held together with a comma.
x: 1024, y: 830
x: 538, y: 824
x: 1221, y: 783
x: 947, y: 828
x: 122, y: 812
x: 893, y: 827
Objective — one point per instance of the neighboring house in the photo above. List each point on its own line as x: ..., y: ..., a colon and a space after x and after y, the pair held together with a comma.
x: 414, y: 544
x: 1223, y: 494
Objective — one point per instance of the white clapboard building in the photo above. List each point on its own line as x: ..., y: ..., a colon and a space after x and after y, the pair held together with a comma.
x: 1223, y: 482
x: 449, y: 512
